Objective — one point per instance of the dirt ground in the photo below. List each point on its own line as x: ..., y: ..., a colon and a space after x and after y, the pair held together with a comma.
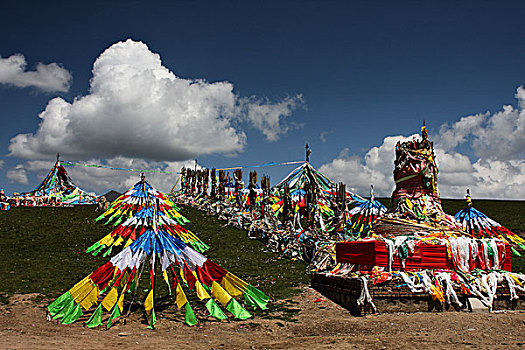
x: 320, y: 324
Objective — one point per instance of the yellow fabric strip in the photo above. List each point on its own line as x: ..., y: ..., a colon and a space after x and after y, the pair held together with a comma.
x: 77, y: 288
x: 181, y: 271
x: 124, y: 279
x: 165, y: 275
x: 90, y: 299
x: 85, y: 293
x: 201, y: 292
x: 180, y: 298
x: 118, y: 241
x: 517, y: 280
x: 110, y: 299
x: 106, y: 240
x: 120, y: 302
x: 128, y: 242
x: 148, y: 304
x: 220, y: 294
x: 233, y: 285
x: 109, y: 211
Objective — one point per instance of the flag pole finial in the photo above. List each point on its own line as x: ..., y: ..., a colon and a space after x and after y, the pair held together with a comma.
x: 308, y: 152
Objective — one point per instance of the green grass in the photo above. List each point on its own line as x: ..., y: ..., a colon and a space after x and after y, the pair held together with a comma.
x: 43, y: 248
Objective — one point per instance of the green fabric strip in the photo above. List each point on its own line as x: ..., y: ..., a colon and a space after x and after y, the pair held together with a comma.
x: 514, y: 251
x: 114, y: 315
x: 259, y: 297
x: 237, y: 310
x: 249, y: 301
x: 66, y: 310
x: 215, y: 310
x: 98, y: 250
x: 189, y: 317
x: 254, y: 302
x: 59, y: 304
x: 107, y: 252
x: 152, y: 319
x: 99, y: 218
x: 93, y: 247
x: 96, y: 318
x: 118, y: 221
x: 73, y: 314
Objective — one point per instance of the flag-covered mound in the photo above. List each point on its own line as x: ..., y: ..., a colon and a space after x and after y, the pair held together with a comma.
x: 303, y: 176
x: 155, y: 249
x: 417, y: 232
x: 56, y: 188
x: 416, y: 202
x: 4, y: 204
x: 135, y: 211
x: 304, y: 195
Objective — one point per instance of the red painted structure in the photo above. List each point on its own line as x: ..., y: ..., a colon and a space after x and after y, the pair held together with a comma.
x: 372, y: 253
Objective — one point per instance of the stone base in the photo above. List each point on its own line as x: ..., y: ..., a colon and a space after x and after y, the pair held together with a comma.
x: 390, y: 297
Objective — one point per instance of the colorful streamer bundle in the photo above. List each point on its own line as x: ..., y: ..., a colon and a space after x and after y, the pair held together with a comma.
x: 365, y: 213
x: 153, y: 241
x: 303, y: 174
x: 480, y: 225
x: 140, y: 208
x: 297, y: 181
x: 107, y: 287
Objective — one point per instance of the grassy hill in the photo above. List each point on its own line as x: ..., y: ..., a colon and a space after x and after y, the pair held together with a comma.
x: 43, y: 249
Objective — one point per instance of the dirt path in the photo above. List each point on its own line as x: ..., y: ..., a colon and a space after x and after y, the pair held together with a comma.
x: 318, y: 325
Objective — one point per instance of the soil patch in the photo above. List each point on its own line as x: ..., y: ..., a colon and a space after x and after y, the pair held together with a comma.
x: 308, y: 320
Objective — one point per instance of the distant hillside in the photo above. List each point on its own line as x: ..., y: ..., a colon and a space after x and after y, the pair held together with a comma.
x: 112, y: 195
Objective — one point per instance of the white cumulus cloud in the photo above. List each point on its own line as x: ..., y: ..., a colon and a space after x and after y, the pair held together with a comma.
x: 137, y: 108
x: 494, y: 168
x: 375, y: 168
x: 18, y: 174
x: 47, y: 77
x: 268, y: 117
x: 323, y: 136
x: 491, y: 136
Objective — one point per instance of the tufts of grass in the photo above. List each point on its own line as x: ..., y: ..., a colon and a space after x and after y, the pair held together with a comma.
x: 43, y: 249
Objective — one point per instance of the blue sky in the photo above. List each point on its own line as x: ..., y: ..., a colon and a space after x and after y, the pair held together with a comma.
x: 349, y: 78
